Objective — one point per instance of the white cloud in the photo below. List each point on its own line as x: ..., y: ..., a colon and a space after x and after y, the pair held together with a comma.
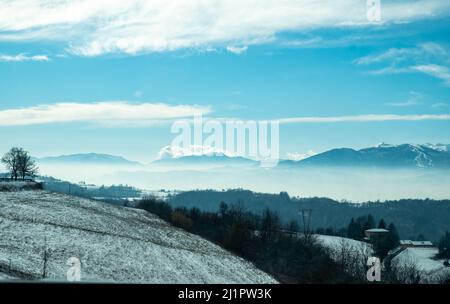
x: 413, y: 100
x: 440, y: 105
x: 396, y: 55
x: 23, y: 57
x: 237, y: 50
x: 390, y: 70
x: 429, y: 58
x: 438, y: 71
x: 192, y: 150
x: 365, y: 118
x: 104, y: 113
x: 304, y: 43
x: 95, y: 27
x: 407, y: 103
x: 296, y: 156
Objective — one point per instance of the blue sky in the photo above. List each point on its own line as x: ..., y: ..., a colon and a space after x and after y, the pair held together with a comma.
x: 155, y: 62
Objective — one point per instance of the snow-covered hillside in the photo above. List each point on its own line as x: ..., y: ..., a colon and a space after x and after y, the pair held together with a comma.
x: 336, y: 242
x: 339, y: 246
x: 113, y: 244
x: 432, y: 270
x: 350, y: 254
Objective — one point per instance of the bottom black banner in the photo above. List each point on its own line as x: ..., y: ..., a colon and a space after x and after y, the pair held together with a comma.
x: 220, y: 293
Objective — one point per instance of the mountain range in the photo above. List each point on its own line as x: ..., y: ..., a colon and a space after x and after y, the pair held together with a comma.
x: 87, y: 158
x: 382, y: 155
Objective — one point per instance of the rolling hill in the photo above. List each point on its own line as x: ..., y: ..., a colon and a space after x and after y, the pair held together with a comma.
x: 114, y: 244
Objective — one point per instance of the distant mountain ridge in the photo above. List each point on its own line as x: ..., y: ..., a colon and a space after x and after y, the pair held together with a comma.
x: 383, y: 155
x: 87, y: 158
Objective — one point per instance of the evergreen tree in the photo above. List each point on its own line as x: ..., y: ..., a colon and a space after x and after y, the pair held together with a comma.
x: 354, y: 230
x: 394, y: 237
x: 382, y: 224
x: 444, y: 246
x: 370, y: 221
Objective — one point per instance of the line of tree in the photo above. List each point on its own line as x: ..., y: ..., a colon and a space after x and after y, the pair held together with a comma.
x: 415, y: 219
x: 19, y: 164
x: 265, y: 241
x: 258, y: 238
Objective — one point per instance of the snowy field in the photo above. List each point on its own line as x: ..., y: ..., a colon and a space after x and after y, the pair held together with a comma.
x: 423, y: 258
x: 114, y: 244
x: 336, y: 245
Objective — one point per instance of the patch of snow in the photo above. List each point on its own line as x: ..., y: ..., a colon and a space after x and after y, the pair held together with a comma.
x: 423, y: 259
x: 114, y: 244
x: 438, y: 147
x: 422, y: 160
x: 336, y: 241
x: 385, y: 145
x: 336, y: 244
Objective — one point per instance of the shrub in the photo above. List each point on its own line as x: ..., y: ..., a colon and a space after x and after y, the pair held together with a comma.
x: 180, y: 220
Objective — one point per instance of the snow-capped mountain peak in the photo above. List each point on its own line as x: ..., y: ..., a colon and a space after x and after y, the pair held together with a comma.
x: 169, y: 152
x: 438, y: 147
x: 384, y: 145
x: 386, y: 155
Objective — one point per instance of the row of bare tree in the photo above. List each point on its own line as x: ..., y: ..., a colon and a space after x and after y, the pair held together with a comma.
x: 19, y: 164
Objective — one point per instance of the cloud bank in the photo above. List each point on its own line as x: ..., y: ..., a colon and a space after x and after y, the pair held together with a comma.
x: 116, y: 113
x: 23, y: 57
x: 95, y: 27
x: 428, y: 58
x: 365, y: 118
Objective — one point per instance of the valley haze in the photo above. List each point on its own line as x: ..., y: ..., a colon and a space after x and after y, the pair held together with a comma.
x: 382, y: 172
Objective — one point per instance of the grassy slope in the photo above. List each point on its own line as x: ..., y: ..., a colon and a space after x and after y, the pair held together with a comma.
x: 113, y: 243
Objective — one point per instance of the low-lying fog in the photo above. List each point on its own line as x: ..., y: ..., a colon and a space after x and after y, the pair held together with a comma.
x: 338, y: 183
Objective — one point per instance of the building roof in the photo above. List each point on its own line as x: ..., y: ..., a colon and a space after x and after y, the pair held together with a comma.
x: 416, y: 243
x: 377, y: 230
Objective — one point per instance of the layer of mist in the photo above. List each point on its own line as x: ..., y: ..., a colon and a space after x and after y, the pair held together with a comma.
x: 356, y: 185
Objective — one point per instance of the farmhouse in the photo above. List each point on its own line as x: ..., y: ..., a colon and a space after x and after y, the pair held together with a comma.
x: 375, y: 233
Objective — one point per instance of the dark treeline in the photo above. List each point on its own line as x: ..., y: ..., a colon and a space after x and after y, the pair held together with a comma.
x: 414, y: 219
x: 263, y: 240
x: 291, y: 258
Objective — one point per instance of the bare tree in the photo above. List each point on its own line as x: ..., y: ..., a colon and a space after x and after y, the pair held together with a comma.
x: 11, y: 161
x: 351, y: 258
x: 405, y: 272
x: 27, y: 166
x: 19, y: 163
